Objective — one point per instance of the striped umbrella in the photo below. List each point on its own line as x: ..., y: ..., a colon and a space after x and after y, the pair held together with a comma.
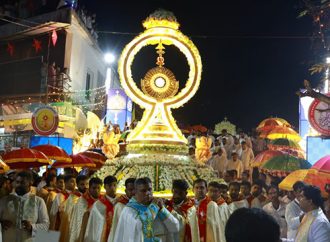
x: 264, y: 156
x: 292, y: 178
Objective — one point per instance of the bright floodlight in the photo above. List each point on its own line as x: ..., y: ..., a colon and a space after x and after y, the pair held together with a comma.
x: 109, y: 58
x: 328, y: 60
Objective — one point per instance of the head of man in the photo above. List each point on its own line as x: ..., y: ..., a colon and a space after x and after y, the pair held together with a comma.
x: 245, y: 188
x: 310, y: 198
x: 244, y: 146
x: 229, y: 176
x: 200, y: 188
x: 224, y: 132
x: 5, y: 185
x: 251, y: 224
x: 234, y: 156
x: 179, y: 190
x: 245, y: 176
x: 110, y: 186
x: 70, y: 182
x: 263, y: 177
x: 224, y: 141
x: 60, y: 182
x: 143, y: 190
x: 236, y: 140
x: 94, y: 187
x: 234, y: 188
x: 129, y: 187
x: 51, y: 180
x: 256, y: 189
x: 273, y: 194
x: 224, y: 190
x: 214, y: 190
x: 23, y: 182
x: 297, y: 188
x: 82, y: 183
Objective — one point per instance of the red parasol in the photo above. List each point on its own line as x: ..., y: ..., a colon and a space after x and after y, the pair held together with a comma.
x: 78, y: 160
x: 268, y: 124
x: 53, y: 152
x: 199, y: 128
x: 319, y: 174
x: 98, y: 158
x: 25, y: 158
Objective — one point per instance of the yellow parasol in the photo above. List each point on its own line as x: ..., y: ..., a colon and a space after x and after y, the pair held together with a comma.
x: 292, y: 178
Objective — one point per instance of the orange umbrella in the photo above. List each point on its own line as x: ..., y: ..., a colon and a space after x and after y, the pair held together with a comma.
x: 98, y: 158
x: 284, y: 133
x: 25, y: 158
x: 53, y: 152
x: 291, y: 179
x: 319, y: 174
x: 3, y: 167
x: 269, y: 123
x: 264, y: 157
x: 78, y: 160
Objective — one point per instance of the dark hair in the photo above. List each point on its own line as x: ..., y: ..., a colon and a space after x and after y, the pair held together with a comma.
x: 109, y: 179
x: 214, y: 184
x: 234, y: 184
x: 68, y: 177
x: 25, y: 174
x: 180, y: 184
x: 246, y: 183
x: 247, y: 173
x: 258, y: 182
x: 251, y: 224
x: 3, y: 179
x: 142, y: 181
x: 273, y: 187
x: 81, y: 178
x: 95, y: 180
x: 49, y: 178
x: 129, y: 181
x: 60, y: 177
x: 313, y: 193
x: 223, y: 186
x: 199, y: 180
x: 298, y: 185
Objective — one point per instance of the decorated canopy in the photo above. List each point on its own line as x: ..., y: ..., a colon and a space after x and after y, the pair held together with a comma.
x: 283, y: 132
x: 53, y: 152
x: 78, y: 160
x: 269, y: 123
x: 265, y: 156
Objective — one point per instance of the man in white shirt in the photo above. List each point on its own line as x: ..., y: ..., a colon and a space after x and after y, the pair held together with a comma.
x: 247, y: 156
x: 22, y: 213
x: 276, y: 209
x: 314, y: 226
x: 219, y: 162
x: 235, y: 164
x: 293, y: 211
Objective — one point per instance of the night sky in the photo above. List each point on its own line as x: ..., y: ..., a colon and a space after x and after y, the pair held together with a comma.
x: 253, y: 57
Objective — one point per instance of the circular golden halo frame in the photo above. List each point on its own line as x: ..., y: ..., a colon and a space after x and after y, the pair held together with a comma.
x: 153, y: 36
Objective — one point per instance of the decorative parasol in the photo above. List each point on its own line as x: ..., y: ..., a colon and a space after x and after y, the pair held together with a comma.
x: 25, y: 158
x: 285, y: 164
x: 78, y: 160
x: 291, y: 179
x: 3, y: 167
x: 199, y: 128
x: 265, y: 156
x: 53, y: 152
x: 268, y: 124
x: 283, y: 132
x: 319, y: 174
x: 96, y: 157
x: 283, y: 143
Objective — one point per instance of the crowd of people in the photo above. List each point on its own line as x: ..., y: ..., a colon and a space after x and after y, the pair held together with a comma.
x: 239, y: 211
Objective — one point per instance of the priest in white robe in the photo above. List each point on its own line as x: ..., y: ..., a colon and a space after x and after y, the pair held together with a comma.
x: 22, y: 213
x: 314, y: 226
x: 235, y: 199
x: 203, y: 217
x: 145, y: 219
x: 121, y: 202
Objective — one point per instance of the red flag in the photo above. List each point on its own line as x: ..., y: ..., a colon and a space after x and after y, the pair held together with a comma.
x: 37, y: 45
x: 10, y: 49
x: 54, y: 37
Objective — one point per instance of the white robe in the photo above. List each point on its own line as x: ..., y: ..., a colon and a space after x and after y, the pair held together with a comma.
x: 78, y: 214
x: 219, y: 164
x: 292, y: 214
x: 247, y: 158
x: 235, y: 165
x: 129, y: 228
x: 118, y: 209
x: 213, y: 224
x: 319, y: 230
x: 96, y: 225
x: 238, y: 204
x: 27, y: 207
